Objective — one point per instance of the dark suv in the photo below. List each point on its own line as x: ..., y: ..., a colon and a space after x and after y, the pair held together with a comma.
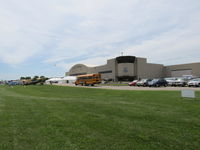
x: 157, y: 83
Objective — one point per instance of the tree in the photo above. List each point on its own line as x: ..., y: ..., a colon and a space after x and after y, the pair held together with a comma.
x: 22, y: 78
x: 35, y: 78
x: 27, y: 78
x: 42, y: 77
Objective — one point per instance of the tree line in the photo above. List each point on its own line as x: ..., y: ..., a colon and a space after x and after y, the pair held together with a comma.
x: 35, y: 78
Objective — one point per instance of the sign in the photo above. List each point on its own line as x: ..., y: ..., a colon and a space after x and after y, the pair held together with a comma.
x: 125, y: 70
x: 188, y: 93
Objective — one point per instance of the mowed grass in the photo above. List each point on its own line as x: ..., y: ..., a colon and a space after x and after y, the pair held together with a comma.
x: 72, y: 118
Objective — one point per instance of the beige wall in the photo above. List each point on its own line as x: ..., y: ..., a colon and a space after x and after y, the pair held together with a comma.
x: 126, y: 69
x: 195, y: 67
x: 110, y: 66
x: 79, y: 68
x: 147, y: 70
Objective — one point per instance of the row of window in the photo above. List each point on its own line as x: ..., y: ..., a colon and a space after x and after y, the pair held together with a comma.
x: 101, y: 72
x: 104, y: 72
x: 77, y: 74
x: 91, y: 77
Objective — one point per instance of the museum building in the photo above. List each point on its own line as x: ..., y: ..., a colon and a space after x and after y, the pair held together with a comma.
x: 127, y: 68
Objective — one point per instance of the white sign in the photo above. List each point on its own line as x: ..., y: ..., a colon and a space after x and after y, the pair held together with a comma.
x: 188, y: 93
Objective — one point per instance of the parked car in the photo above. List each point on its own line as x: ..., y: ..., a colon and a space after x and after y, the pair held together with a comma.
x: 2, y: 82
x: 188, y: 77
x: 171, y: 81
x: 14, y: 82
x: 143, y: 82
x: 180, y: 82
x: 194, y: 82
x: 133, y: 83
x: 157, y: 83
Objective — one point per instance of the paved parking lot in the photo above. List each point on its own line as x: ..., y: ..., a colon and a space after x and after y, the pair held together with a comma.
x: 140, y: 88
x: 147, y: 88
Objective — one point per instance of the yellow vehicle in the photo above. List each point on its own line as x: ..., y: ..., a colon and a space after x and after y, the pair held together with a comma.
x: 88, y: 79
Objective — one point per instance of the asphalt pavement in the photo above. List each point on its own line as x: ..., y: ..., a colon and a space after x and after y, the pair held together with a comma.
x: 138, y: 88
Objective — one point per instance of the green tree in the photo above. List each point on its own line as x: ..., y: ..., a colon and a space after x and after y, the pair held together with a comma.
x: 35, y: 78
x: 27, y: 78
x: 22, y: 78
x: 43, y: 78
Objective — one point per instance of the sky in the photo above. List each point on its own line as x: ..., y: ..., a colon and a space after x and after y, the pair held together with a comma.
x: 48, y: 37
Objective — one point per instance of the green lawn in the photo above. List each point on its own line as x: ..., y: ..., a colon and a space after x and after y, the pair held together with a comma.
x: 73, y: 118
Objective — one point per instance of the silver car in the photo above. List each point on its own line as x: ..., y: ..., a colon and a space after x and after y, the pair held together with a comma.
x: 180, y: 82
x: 171, y: 81
x: 143, y: 82
x: 194, y: 82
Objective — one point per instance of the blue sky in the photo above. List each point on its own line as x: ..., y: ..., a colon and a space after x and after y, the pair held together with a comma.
x: 47, y: 37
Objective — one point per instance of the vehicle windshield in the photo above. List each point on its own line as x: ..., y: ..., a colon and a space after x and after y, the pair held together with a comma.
x: 134, y: 81
x: 155, y: 80
x: 170, y: 79
x: 143, y: 80
x: 198, y: 79
x: 180, y: 79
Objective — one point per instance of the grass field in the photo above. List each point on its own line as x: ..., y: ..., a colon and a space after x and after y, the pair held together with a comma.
x: 73, y: 118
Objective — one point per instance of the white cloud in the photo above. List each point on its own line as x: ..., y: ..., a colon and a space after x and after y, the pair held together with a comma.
x: 67, y: 32
x: 173, y: 47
